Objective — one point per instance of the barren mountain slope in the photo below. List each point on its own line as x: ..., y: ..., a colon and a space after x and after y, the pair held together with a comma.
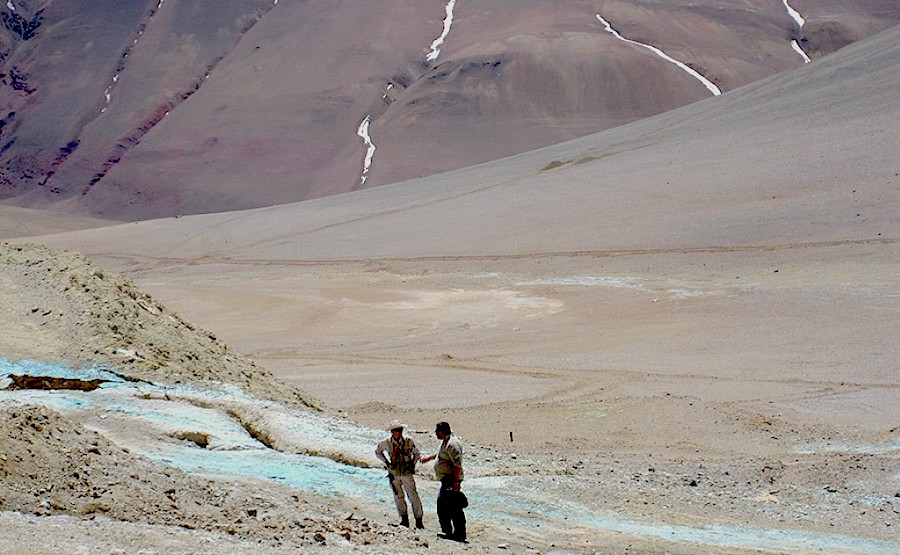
x: 806, y: 156
x: 84, y: 82
x: 172, y: 108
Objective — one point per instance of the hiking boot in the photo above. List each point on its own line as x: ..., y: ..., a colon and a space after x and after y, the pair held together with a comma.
x: 404, y: 521
x: 419, y: 524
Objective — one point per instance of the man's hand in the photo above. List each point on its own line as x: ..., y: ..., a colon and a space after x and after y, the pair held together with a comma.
x: 428, y: 458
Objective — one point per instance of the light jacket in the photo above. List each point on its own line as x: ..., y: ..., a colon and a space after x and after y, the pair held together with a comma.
x: 449, y: 457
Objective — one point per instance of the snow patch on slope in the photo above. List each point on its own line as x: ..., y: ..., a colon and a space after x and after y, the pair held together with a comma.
x: 684, y: 67
x: 795, y: 15
x: 107, y: 94
x: 363, y: 132
x: 796, y: 46
x: 439, y: 42
x: 800, y: 21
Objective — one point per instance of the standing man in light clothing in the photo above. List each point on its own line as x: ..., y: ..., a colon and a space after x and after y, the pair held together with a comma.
x: 400, y: 455
x: 449, y: 470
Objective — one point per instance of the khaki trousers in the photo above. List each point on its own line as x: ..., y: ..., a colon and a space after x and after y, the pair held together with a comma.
x: 406, y: 483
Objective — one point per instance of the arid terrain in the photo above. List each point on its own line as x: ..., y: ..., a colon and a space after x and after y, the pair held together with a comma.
x: 674, y: 336
x: 166, y: 108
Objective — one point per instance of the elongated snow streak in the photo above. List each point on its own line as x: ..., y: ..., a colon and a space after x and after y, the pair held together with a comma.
x: 706, y: 82
x: 438, y: 42
x: 796, y: 46
x: 798, y: 19
x: 794, y: 14
x: 363, y: 132
x: 108, y: 93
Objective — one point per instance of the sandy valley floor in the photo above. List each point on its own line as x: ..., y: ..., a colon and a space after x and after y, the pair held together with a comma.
x: 617, y: 443
x: 752, y: 390
x: 598, y: 358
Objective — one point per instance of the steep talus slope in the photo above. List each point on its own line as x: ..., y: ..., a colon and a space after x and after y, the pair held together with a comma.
x: 172, y: 108
x: 87, y: 82
x: 277, y: 120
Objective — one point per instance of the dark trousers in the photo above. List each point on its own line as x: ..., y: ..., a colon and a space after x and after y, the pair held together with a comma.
x: 450, y: 513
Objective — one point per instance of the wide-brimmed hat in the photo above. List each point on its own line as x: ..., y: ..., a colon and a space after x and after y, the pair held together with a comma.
x: 396, y: 425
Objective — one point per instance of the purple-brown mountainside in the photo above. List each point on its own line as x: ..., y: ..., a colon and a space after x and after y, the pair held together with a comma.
x: 145, y: 109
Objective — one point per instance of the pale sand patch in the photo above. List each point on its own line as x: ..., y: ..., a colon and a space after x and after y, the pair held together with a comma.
x: 354, y: 386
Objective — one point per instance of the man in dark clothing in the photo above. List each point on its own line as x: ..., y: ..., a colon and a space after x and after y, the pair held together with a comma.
x: 449, y: 470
